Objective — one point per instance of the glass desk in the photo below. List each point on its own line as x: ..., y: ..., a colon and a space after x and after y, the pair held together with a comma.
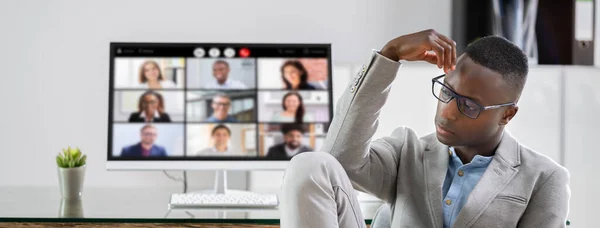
x: 125, y: 205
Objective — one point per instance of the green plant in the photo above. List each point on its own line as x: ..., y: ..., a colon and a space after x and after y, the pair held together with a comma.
x: 70, y: 158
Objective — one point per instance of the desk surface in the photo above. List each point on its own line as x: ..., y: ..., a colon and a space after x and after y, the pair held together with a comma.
x: 131, y: 205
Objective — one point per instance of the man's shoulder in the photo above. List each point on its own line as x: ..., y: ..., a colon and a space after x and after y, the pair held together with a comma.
x: 159, y: 147
x: 278, y: 147
x: 404, y: 135
x: 535, y: 162
x: 131, y: 150
x: 131, y: 147
x: 306, y: 148
x: 237, y: 84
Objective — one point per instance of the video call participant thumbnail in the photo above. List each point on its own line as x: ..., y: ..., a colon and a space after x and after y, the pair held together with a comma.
x: 151, y: 108
x: 151, y: 77
x: 293, y: 73
x: 292, y: 145
x: 222, y: 80
x: 295, y: 76
x: 220, y: 136
x: 221, y: 103
x: 146, y: 146
x: 293, y: 110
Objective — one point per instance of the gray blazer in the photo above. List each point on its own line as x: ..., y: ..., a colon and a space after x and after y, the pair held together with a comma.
x: 520, y: 188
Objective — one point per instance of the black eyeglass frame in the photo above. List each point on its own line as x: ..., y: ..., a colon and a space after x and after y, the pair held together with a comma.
x: 460, y: 97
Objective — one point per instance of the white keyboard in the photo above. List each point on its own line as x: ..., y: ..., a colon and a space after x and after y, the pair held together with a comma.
x: 202, y: 200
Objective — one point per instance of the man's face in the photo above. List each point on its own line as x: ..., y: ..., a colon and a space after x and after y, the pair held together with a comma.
x: 221, y: 106
x: 485, y: 87
x: 149, y: 135
x: 220, y: 72
x: 221, y: 137
x: 293, y: 139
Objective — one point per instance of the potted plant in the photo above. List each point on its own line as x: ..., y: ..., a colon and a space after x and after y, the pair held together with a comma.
x: 71, y: 172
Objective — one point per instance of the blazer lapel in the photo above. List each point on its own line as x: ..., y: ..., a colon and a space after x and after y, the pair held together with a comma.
x: 498, y: 174
x: 435, y: 165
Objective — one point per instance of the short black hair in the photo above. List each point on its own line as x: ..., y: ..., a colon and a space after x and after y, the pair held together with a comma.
x: 502, y: 56
x: 285, y: 128
x: 220, y: 61
x: 220, y: 126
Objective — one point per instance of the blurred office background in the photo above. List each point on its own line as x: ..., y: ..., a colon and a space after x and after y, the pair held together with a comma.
x: 55, y: 61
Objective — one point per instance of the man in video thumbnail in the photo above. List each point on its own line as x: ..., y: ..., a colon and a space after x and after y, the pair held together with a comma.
x: 220, y: 135
x: 221, y: 104
x: 222, y: 80
x: 292, y: 145
x: 146, y: 147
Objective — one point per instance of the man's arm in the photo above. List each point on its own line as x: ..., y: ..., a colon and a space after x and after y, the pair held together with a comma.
x: 372, y: 166
x: 549, y: 206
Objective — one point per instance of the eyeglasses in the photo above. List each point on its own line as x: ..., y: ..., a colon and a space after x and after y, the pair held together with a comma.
x: 148, y: 134
x: 466, y: 106
x: 222, y: 104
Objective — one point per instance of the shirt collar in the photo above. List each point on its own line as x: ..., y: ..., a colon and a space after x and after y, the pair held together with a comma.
x: 143, y: 115
x: 478, y: 160
x: 226, y: 83
x: 291, y: 152
x: 214, y: 149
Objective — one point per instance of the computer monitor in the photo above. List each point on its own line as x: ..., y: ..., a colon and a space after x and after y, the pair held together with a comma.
x: 216, y: 106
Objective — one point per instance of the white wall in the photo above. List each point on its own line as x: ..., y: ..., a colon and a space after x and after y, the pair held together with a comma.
x: 597, y: 35
x: 54, y: 63
x: 582, y: 112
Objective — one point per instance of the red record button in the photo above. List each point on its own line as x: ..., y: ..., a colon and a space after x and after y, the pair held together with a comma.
x: 244, y: 52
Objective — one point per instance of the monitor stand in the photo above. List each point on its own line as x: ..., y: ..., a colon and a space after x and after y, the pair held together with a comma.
x: 220, y: 186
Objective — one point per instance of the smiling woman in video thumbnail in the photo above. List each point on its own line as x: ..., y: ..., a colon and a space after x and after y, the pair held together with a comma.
x: 295, y: 76
x: 151, y: 108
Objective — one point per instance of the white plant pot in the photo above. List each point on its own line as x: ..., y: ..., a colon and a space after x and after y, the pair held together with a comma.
x: 71, y: 182
x: 70, y: 208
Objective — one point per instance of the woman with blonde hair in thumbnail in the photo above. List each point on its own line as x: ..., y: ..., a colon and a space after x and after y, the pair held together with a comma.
x: 295, y: 76
x: 151, y: 108
x: 151, y: 77
x: 293, y: 110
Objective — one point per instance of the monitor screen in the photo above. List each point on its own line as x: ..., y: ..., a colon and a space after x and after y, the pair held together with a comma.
x: 217, y: 102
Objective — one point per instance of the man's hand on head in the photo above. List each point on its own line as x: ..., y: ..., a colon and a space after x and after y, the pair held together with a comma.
x: 427, y: 45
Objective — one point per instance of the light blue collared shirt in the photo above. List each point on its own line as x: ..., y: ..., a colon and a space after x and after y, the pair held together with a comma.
x: 460, y: 181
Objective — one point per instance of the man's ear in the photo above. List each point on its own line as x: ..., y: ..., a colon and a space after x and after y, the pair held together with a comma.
x: 509, y: 114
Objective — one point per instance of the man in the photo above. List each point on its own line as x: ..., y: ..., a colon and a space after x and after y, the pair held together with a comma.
x: 220, y: 136
x: 292, y: 145
x: 470, y: 173
x: 222, y: 80
x: 146, y: 147
x: 221, y: 104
